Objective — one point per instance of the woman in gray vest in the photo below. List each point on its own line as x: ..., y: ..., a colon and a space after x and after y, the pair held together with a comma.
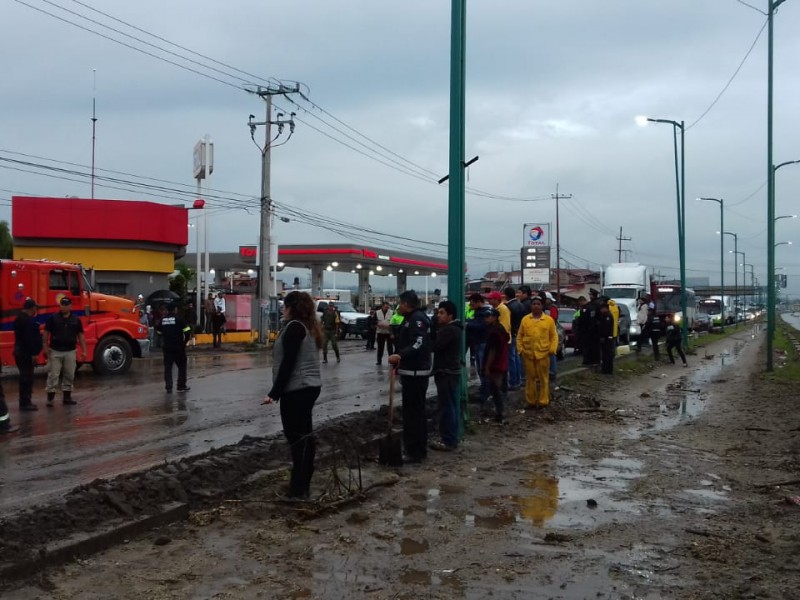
x: 296, y: 383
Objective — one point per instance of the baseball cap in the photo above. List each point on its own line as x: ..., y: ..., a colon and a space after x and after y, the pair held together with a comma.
x: 65, y: 301
x: 30, y: 303
x: 495, y: 295
x: 549, y: 296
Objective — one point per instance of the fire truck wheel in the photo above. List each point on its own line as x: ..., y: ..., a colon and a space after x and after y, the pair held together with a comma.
x: 112, y: 356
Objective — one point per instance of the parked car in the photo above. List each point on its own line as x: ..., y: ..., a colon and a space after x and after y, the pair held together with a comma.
x: 565, y: 316
x: 702, y: 322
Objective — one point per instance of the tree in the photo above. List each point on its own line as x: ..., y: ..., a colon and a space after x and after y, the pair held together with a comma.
x: 6, y: 241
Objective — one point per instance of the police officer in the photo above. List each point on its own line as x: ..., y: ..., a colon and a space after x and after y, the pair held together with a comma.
x: 62, y: 332
x: 412, y: 359
x: 174, y: 333
x: 27, y: 345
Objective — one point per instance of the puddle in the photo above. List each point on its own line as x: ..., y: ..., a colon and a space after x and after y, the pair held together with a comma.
x: 544, y: 500
x: 707, y: 494
x: 445, y: 578
x: 409, y: 546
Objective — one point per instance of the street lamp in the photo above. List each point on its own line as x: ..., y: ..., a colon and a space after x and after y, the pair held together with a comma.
x: 783, y: 244
x: 735, y: 274
x: 752, y: 278
x: 771, y: 168
x: 744, y: 273
x: 680, y: 188
x: 785, y: 217
x: 721, y: 203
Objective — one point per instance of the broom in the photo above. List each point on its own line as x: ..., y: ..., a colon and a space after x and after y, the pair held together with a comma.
x: 390, y: 452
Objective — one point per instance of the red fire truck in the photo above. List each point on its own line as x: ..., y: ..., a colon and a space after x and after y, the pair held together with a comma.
x: 114, y: 336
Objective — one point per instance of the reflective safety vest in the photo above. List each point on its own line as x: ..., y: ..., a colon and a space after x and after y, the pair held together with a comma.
x: 397, y: 319
x: 469, y: 312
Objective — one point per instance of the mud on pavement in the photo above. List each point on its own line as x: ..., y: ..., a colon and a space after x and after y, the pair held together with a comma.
x: 651, y: 486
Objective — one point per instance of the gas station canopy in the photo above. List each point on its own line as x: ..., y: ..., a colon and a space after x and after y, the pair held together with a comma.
x: 352, y: 258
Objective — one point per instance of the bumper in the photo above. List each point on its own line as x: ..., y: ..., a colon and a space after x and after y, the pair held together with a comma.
x: 144, y: 346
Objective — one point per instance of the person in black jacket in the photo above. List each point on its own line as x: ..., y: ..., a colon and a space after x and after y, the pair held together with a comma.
x: 654, y: 331
x: 447, y: 361
x: 174, y: 333
x: 27, y: 345
x: 412, y: 359
x: 372, y: 329
x: 63, y: 332
x: 517, y: 310
x: 605, y: 330
x: 673, y: 340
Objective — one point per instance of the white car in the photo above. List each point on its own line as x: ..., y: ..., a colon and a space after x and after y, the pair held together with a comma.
x: 351, y: 322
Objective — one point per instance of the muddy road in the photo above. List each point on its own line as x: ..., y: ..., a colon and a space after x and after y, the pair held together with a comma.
x: 651, y: 486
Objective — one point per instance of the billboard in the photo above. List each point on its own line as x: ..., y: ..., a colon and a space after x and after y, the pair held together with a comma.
x: 536, y: 234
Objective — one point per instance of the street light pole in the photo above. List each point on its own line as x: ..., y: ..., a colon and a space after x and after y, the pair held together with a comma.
x: 772, y: 5
x: 721, y: 203
x: 680, y: 185
x: 735, y: 275
x: 456, y: 259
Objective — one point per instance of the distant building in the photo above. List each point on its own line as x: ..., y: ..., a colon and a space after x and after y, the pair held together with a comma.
x: 127, y: 247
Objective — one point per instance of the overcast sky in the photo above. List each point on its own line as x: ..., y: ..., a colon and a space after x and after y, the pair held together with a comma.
x: 552, y: 89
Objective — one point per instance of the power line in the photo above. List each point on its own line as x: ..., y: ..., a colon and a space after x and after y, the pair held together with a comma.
x: 730, y: 81
x: 134, y: 48
x: 755, y: 8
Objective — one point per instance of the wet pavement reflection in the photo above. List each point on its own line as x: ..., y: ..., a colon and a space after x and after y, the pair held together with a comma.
x: 127, y: 423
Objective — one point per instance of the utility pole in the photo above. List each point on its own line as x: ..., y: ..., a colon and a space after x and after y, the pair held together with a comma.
x: 621, y: 239
x: 265, y: 275
x: 557, y: 197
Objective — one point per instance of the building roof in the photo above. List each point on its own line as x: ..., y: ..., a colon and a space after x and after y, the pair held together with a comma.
x: 51, y: 219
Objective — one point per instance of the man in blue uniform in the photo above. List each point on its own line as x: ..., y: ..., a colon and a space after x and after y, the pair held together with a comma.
x: 412, y: 359
x: 174, y: 333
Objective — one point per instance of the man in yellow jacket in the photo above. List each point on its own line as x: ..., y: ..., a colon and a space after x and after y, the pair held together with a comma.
x: 614, y: 310
x: 537, y: 340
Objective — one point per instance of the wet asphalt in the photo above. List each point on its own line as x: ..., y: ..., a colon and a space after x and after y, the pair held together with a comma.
x: 127, y: 423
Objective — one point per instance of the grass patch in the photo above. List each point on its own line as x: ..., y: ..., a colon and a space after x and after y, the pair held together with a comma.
x: 704, y: 340
x: 788, y: 361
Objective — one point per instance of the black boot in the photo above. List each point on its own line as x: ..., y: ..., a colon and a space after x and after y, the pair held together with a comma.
x: 50, y: 397
x: 68, y: 398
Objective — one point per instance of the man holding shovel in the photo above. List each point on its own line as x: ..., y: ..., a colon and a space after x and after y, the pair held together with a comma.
x: 413, y: 361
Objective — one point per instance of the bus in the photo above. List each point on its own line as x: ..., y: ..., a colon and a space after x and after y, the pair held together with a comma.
x: 668, y: 302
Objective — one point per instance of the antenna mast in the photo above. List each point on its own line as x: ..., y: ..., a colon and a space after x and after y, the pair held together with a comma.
x: 94, y: 122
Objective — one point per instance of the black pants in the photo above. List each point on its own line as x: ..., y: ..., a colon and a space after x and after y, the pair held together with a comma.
x: 25, y: 366
x: 415, y: 425
x: 175, y: 357
x: 5, y: 417
x: 608, y: 348
x: 654, y: 342
x: 216, y: 337
x: 677, y: 346
x: 591, y: 349
x: 384, y: 339
x: 371, y: 340
x: 497, y: 389
x: 296, y: 410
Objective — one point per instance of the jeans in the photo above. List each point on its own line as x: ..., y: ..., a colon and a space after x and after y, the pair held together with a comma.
x: 415, y: 425
x: 62, y: 364
x: 296, y: 410
x: 447, y: 392
x: 514, y: 364
x: 480, y: 351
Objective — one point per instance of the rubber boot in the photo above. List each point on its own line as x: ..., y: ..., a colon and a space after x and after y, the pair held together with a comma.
x: 50, y: 397
x: 68, y: 398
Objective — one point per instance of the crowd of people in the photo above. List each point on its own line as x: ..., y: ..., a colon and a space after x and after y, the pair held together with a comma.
x: 511, y: 339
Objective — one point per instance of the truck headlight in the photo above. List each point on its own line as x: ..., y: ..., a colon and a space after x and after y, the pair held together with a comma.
x: 677, y: 318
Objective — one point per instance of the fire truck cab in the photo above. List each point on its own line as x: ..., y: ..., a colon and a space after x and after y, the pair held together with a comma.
x: 114, y: 336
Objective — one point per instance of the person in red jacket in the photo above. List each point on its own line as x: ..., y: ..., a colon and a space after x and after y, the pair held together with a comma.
x: 496, y: 363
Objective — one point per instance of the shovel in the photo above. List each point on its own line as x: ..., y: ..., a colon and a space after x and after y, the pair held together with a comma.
x: 390, y: 452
